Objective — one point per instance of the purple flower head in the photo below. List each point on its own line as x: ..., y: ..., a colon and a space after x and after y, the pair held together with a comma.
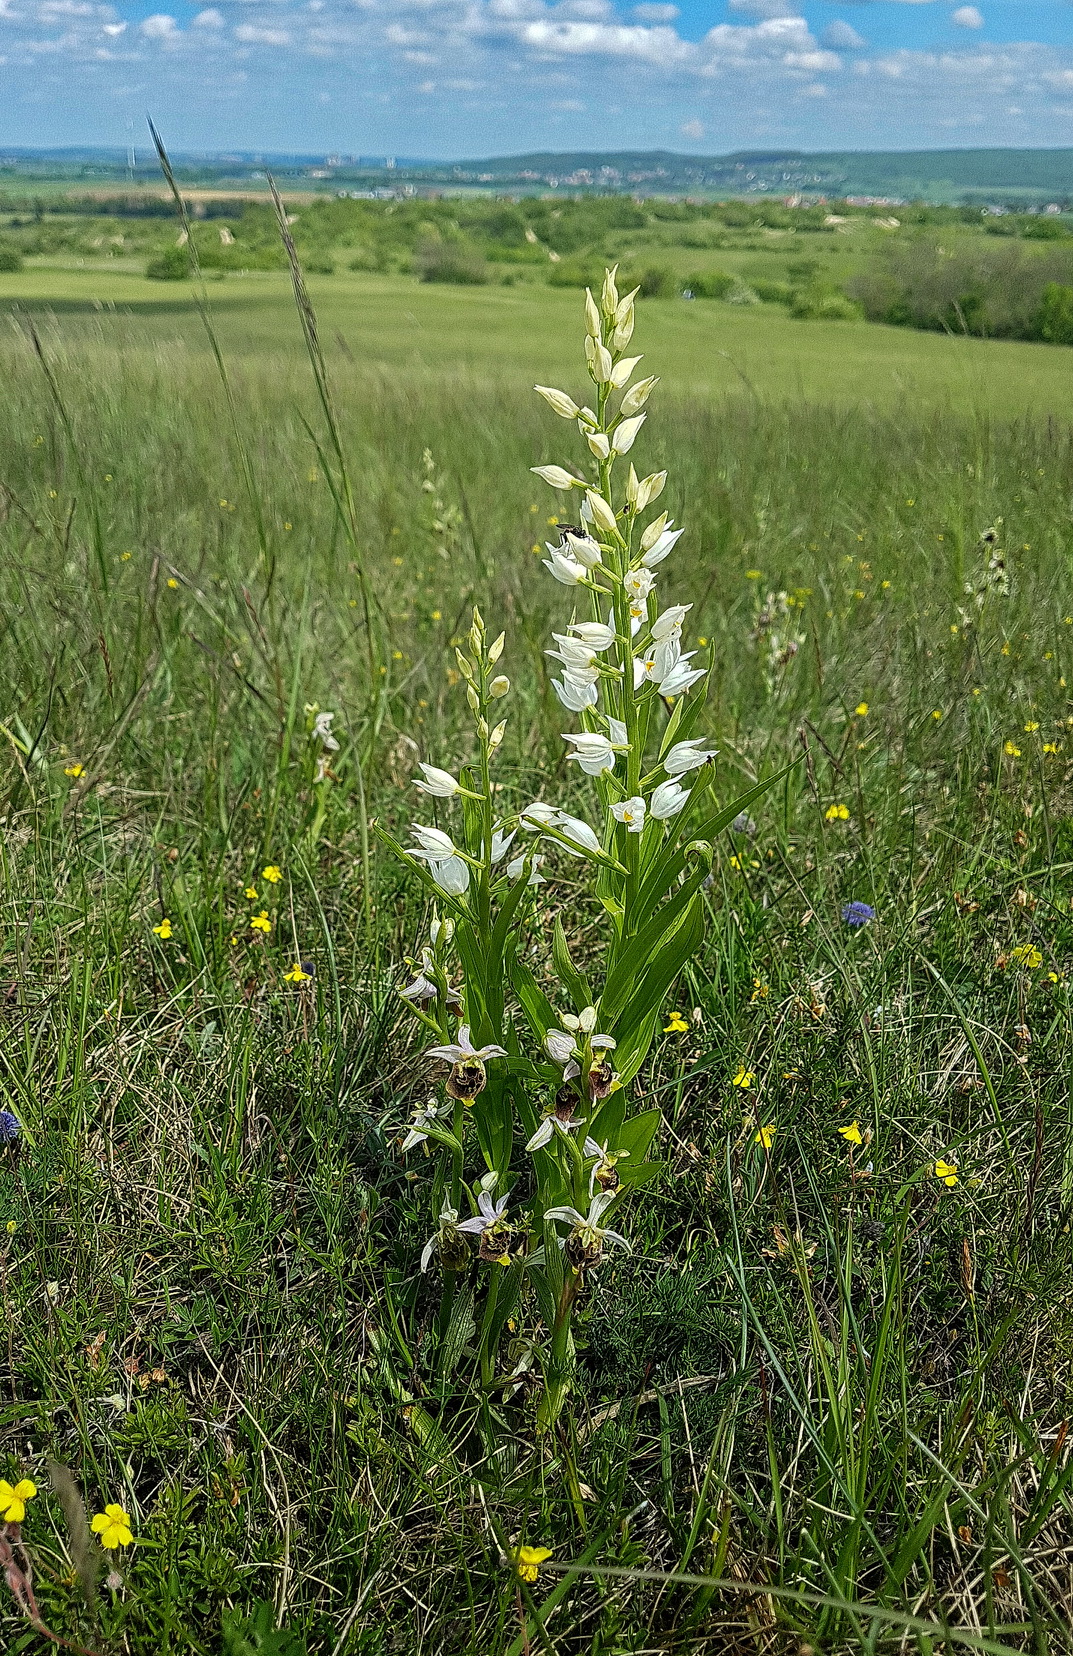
x: 9, y: 1127
x: 857, y: 914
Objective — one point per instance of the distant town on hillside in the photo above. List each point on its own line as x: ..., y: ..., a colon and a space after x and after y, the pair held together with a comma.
x: 1024, y: 178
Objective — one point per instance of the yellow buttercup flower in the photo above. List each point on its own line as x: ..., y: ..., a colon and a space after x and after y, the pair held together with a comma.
x: 172, y: 582
x: 676, y: 1026
x: 765, y: 1136
x: 527, y: 1561
x: 13, y: 1499
x: 164, y: 928
x: 296, y: 974
x: 272, y: 874
x: 760, y: 990
x: 113, y: 1527
x: 250, y: 894
x: 1033, y: 724
x: 1050, y: 747
x: 1013, y: 750
x: 861, y: 710
x: 852, y: 1134
x: 261, y: 922
x: 76, y: 770
x: 937, y: 714
x: 836, y: 813
x: 1026, y: 954
x: 744, y: 1078
x: 947, y: 1172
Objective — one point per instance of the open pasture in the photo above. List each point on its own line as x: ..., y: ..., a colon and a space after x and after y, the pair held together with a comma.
x: 822, y: 1402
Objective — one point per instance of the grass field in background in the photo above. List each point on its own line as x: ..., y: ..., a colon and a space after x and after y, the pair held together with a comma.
x: 823, y: 1402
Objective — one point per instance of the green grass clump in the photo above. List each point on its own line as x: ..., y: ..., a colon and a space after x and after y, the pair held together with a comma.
x: 824, y: 1399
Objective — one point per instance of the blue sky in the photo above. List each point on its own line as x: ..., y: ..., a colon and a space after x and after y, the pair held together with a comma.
x: 453, y: 78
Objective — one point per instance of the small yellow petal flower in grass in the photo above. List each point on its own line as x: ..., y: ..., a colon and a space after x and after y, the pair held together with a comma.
x: 261, y: 922
x: 1050, y: 747
x: 1033, y: 724
x: 937, y: 714
x: 272, y: 874
x: 836, y: 813
x: 676, y: 1025
x: 1013, y: 750
x: 947, y: 1172
x: 527, y: 1561
x: 76, y: 770
x: 861, y: 710
x: 13, y: 1500
x: 765, y: 1136
x: 296, y: 974
x: 113, y: 1527
x: 1026, y: 954
x: 173, y: 583
x: 164, y: 929
x: 760, y: 990
x: 744, y: 1079
x: 852, y: 1134
x: 250, y: 894
x: 12, y: 1226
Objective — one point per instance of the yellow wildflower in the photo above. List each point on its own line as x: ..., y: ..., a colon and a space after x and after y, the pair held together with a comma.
x: 861, y: 710
x: 12, y: 1226
x: 937, y: 714
x: 164, y: 929
x: 527, y: 1561
x: 836, y: 813
x: 676, y: 1026
x: 296, y: 974
x: 13, y: 1500
x: 76, y: 770
x: 765, y: 1136
x: 760, y: 990
x: 753, y: 574
x: 172, y: 582
x: 947, y: 1172
x: 1013, y: 750
x: 1033, y: 724
x: 261, y: 922
x: 113, y: 1527
x: 852, y: 1134
x: 744, y: 1079
x: 273, y: 874
x: 1026, y: 954
x: 1050, y: 747
x: 250, y: 893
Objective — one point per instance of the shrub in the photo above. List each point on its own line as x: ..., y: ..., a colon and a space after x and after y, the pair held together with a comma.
x: 1055, y: 320
x: 1046, y: 229
x: 710, y: 284
x: 655, y: 282
x: 774, y: 293
x: 816, y: 305
x: 172, y: 265
x: 994, y: 290
x: 575, y: 273
x: 10, y: 260
x: 450, y: 262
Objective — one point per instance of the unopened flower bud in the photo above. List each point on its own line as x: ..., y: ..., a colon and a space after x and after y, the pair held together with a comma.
x: 623, y: 333
x: 563, y: 405
x: 623, y: 370
x: 599, y: 511
x: 557, y: 477
x: 499, y: 687
x: 473, y: 698
x: 482, y: 729
x: 495, y: 650
x: 650, y: 489
x: 609, y: 294
x: 465, y: 666
x: 497, y: 734
x: 631, y: 488
x: 442, y: 928
x: 603, y: 365
x: 599, y: 445
x: 638, y: 395
x: 625, y: 306
x: 592, y: 316
x: 625, y: 432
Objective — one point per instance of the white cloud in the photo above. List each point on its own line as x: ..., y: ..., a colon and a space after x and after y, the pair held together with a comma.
x: 842, y: 37
x: 159, y: 27
x: 209, y: 19
x: 968, y: 17
x: 650, y: 12
x: 692, y: 129
x: 254, y: 34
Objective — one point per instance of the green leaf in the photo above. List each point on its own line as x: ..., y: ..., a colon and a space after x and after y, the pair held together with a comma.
x: 637, y: 953
x: 535, y: 1004
x: 568, y: 974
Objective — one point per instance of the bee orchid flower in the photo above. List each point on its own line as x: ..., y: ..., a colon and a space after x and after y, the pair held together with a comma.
x: 585, y: 1243
x: 467, y: 1077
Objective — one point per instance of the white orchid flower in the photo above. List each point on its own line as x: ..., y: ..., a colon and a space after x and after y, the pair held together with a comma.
x: 557, y: 476
x: 594, y: 753
x: 322, y: 732
x: 578, y: 831
x: 578, y: 544
x: 639, y: 583
x: 681, y: 676
x: 564, y: 406
x: 457, y: 1052
x: 667, y: 800
x: 516, y: 869
x: 448, y: 1222
x: 625, y: 433
x: 539, y: 815
x: 631, y: 812
x: 661, y: 546
x: 687, y: 756
x: 623, y: 370
x: 565, y: 570
x: 490, y: 1213
x: 501, y: 843
x: 594, y: 634
x: 548, y: 1127
x: 448, y: 869
x: 422, y: 988
x: 588, y: 1237
x: 438, y: 782
x: 577, y: 691
x: 585, y: 1020
x: 417, y: 1133
x: 669, y: 621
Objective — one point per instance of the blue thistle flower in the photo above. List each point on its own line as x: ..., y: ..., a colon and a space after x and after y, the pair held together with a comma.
x: 857, y: 914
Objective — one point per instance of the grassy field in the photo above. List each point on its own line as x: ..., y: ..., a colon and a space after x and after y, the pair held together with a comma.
x: 524, y: 334
x: 823, y: 1402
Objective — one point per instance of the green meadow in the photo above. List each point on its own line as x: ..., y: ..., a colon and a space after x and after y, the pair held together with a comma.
x: 822, y: 1403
